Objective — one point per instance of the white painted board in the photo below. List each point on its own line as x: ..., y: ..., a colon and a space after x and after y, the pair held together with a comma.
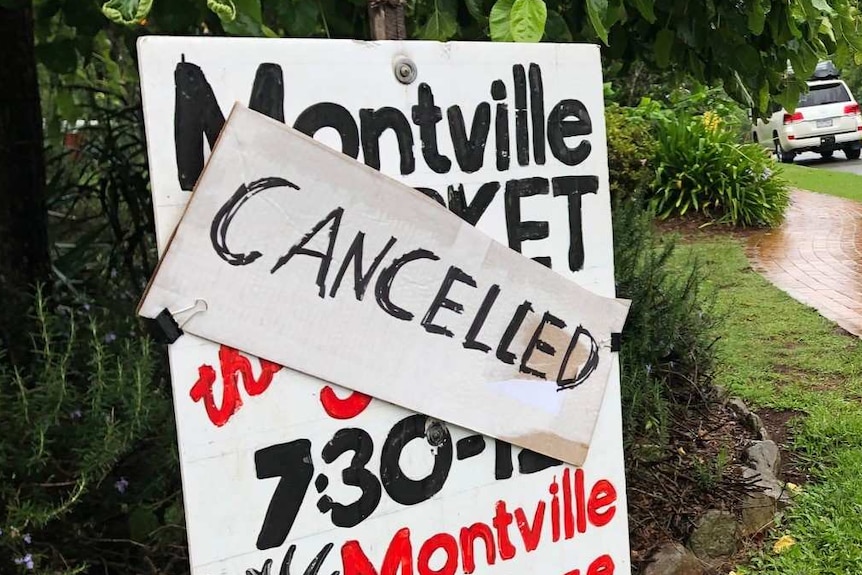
x: 317, y: 262
x: 487, y: 483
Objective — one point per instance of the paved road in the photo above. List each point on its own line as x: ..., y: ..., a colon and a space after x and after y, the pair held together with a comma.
x: 837, y: 162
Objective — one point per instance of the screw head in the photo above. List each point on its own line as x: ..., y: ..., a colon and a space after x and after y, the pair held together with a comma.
x: 435, y: 433
x: 405, y: 70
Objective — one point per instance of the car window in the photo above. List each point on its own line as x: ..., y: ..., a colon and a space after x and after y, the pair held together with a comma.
x: 824, y: 94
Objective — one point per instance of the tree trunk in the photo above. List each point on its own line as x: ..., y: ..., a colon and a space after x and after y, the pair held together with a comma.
x: 386, y: 19
x: 24, y: 256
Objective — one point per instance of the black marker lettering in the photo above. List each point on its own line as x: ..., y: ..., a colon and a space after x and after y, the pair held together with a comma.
x: 441, y: 301
x: 470, y: 446
x: 519, y: 231
x: 470, y: 341
x: 569, y: 118
x: 291, y: 463
x: 573, y: 187
x: 400, y: 487
x: 313, y: 567
x: 196, y: 114
x: 426, y: 115
x: 387, y: 277
x: 481, y: 201
x: 536, y: 342
x: 267, y: 92
x: 501, y: 125
x: 503, y: 353
x: 537, y: 111
x: 532, y: 462
x: 355, y: 475
x: 590, y: 364
x: 360, y: 280
x: 433, y: 194
x: 374, y: 123
x: 470, y: 152
x: 522, y: 135
x: 329, y: 115
x: 225, y: 215
x: 333, y: 218
x: 503, y: 466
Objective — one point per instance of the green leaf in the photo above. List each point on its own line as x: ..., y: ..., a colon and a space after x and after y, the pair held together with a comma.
x: 58, y: 56
x: 142, y: 522
x: 443, y: 22
x: 224, y: 9
x: 126, y: 11
x: 757, y: 17
x: 248, y: 19
x: 528, y: 19
x: 476, y: 10
x: 663, y: 46
x: 597, y: 10
x: 499, y: 21
x: 823, y: 6
x: 556, y: 28
x: 645, y: 7
x: 303, y: 18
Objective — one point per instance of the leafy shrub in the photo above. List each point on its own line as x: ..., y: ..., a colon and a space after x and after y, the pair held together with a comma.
x: 666, y: 355
x: 89, y: 472
x: 701, y: 168
x: 631, y: 147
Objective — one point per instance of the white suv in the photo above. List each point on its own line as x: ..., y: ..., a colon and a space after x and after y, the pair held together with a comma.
x: 826, y: 119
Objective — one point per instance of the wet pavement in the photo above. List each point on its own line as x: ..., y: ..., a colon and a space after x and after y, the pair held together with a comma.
x: 814, y: 256
x: 838, y: 162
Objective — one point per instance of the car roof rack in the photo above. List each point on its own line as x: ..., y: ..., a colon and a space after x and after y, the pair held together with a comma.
x: 825, y: 70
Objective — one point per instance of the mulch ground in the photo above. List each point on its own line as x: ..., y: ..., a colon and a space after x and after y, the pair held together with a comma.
x: 700, y: 469
x: 670, y: 488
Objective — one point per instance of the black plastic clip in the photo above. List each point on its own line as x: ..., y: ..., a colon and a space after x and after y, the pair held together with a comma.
x: 164, y: 328
x: 616, y: 341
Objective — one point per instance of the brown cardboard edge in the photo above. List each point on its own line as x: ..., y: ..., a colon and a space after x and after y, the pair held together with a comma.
x: 215, y: 150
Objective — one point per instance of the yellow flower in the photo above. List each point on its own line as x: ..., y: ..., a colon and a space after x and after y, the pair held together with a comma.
x: 793, y: 488
x: 784, y: 543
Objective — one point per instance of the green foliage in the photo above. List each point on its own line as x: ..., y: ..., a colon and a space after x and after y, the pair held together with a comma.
x: 700, y: 168
x: 86, y: 447
x: 631, y: 147
x: 666, y: 352
x: 776, y: 352
x: 127, y: 11
x: 833, y: 182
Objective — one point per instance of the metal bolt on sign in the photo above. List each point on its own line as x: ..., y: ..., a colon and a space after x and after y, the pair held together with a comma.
x: 435, y: 433
x: 405, y: 70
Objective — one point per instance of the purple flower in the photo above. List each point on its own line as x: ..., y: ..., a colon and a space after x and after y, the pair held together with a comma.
x: 121, y: 485
x: 86, y: 307
x: 27, y: 539
x: 110, y: 337
x: 26, y: 560
x: 113, y: 273
x: 76, y: 414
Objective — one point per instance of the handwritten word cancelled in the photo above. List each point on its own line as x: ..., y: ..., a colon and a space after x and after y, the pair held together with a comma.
x: 278, y: 224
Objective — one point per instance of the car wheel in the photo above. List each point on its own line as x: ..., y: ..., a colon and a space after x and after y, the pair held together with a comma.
x: 783, y: 157
x: 827, y: 154
x: 852, y: 153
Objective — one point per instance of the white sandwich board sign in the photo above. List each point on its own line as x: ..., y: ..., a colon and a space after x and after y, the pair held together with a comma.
x: 284, y: 472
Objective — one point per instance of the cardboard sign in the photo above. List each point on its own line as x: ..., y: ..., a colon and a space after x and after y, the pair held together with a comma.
x: 283, y: 471
x: 283, y: 240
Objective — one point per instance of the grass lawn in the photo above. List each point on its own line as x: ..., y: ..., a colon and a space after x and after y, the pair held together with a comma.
x: 775, y: 352
x: 831, y: 182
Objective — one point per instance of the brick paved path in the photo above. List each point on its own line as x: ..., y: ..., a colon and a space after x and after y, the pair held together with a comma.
x: 816, y: 256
